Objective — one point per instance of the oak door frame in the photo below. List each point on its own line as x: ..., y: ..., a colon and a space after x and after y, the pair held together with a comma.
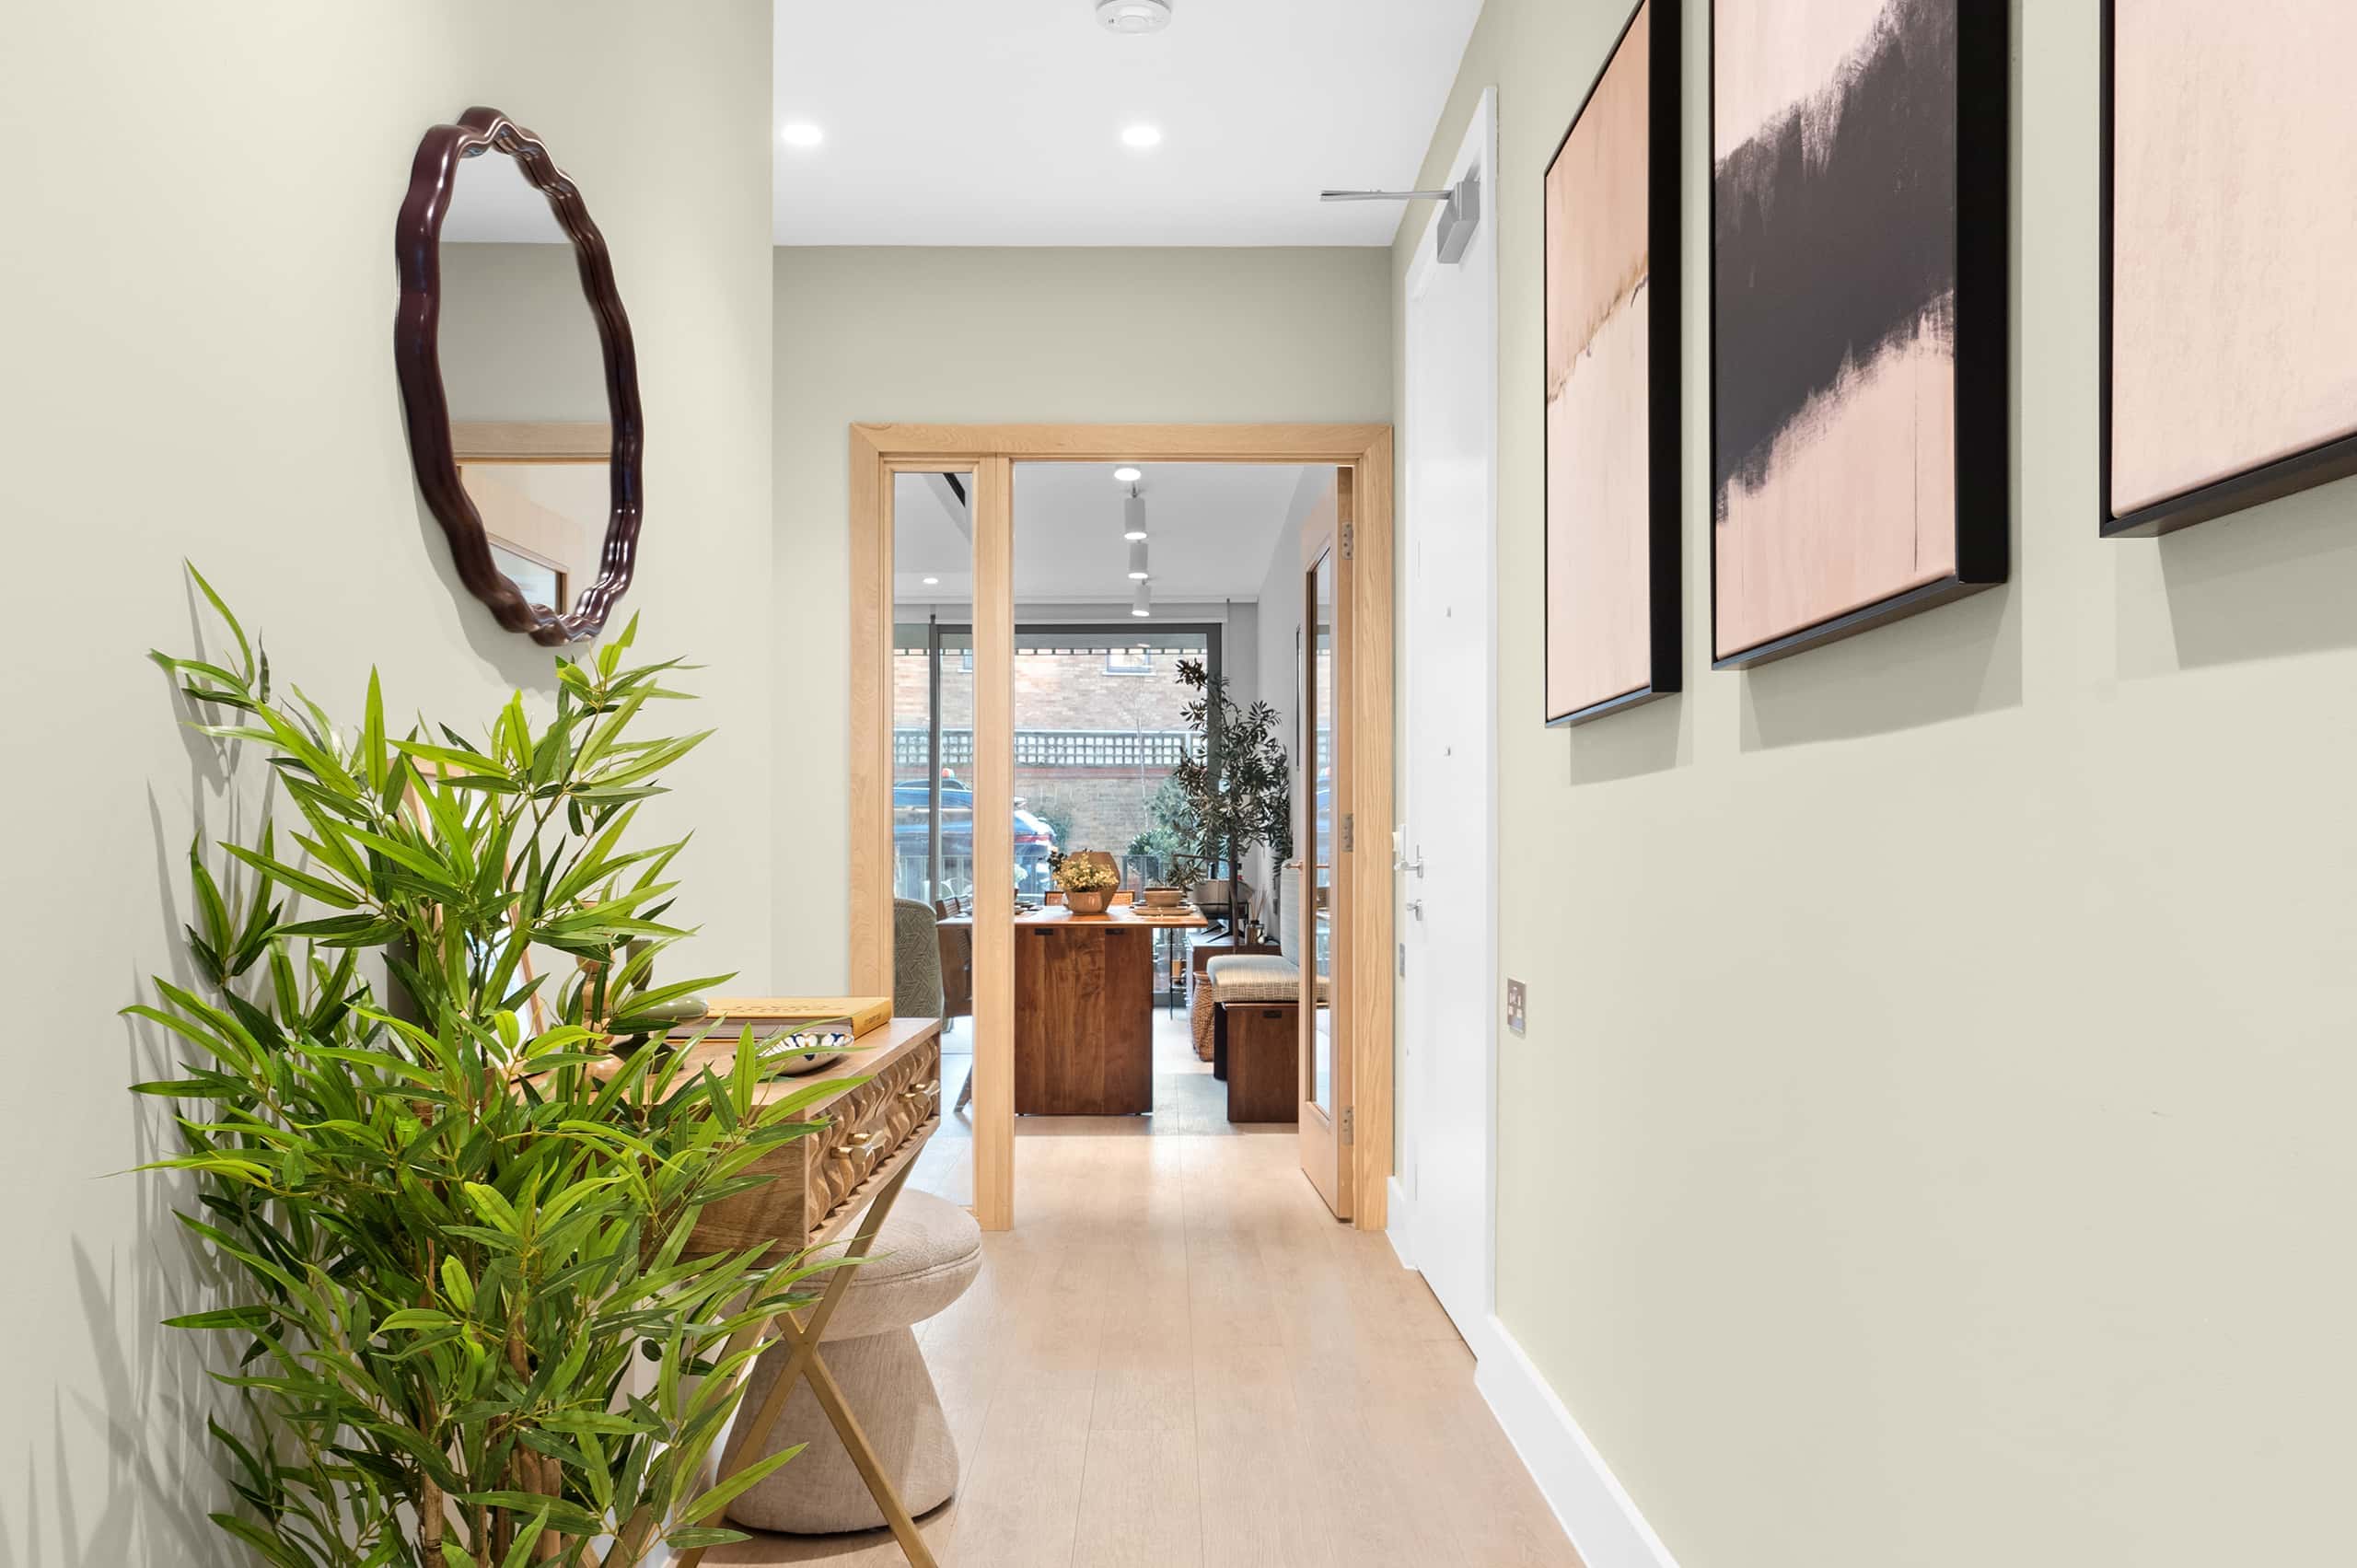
x: 990, y: 452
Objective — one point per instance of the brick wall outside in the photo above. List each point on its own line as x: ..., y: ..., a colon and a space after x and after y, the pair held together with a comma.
x: 1093, y: 807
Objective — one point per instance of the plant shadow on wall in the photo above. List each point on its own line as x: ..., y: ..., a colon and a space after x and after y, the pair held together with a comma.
x: 2276, y: 583
x: 456, y: 1228
x: 1954, y: 662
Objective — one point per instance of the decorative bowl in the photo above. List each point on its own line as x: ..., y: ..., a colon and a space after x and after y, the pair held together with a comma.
x: 1163, y: 898
x: 1093, y: 901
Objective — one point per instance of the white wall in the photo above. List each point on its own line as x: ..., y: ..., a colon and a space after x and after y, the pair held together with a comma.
x: 1931, y: 1143
x: 989, y: 336
x: 196, y: 302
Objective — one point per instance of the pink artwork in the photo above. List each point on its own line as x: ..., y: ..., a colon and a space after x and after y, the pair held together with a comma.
x: 2232, y: 371
x: 1611, y: 582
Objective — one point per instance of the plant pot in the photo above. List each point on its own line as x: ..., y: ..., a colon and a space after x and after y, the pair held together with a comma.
x: 1093, y: 901
x: 1163, y: 898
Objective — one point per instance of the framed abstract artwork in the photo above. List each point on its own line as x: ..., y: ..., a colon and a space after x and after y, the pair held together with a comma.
x: 1858, y: 315
x: 1613, y: 626
x: 2230, y: 241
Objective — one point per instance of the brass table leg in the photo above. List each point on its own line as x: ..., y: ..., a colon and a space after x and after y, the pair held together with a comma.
x: 803, y: 1335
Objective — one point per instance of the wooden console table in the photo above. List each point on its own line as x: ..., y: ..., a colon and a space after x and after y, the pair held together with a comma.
x: 1084, y: 1008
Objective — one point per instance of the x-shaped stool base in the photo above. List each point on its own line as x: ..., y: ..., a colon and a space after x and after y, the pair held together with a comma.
x: 803, y: 1335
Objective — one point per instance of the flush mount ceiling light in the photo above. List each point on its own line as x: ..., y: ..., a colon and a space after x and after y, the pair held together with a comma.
x: 1142, y: 136
x: 1134, y: 16
x: 1142, y: 606
x: 1128, y: 475
x: 801, y: 133
x: 1133, y: 516
x: 1138, y: 573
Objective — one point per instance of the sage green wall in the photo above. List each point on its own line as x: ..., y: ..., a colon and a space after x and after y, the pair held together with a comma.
x: 1931, y: 1145
x: 977, y: 335
x: 196, y: 303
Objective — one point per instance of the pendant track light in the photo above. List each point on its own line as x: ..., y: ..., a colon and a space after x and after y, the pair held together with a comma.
x: 1138, y: 573
x: 1142, y: 606
x: 1133, y: 516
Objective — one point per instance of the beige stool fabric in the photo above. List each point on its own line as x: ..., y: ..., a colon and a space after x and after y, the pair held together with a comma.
x: 927, y: 1256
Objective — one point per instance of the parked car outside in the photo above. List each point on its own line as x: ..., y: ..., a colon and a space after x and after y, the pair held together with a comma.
x: 912, y: 801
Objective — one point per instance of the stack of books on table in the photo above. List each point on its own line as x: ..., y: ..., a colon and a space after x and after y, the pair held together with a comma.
x: 791, y: 1031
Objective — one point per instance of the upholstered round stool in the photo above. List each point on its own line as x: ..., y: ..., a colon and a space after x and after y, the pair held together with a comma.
x: 928, y: 1254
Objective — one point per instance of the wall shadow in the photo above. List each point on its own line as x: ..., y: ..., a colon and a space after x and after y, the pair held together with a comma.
x: 519, y: 661
x: 1651, y: 739
x: 2275, y: 582
x: 1948, y: 662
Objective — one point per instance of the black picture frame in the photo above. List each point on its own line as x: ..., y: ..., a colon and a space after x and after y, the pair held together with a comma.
x: 417, y: 362
x: 1983, y: 341
x: 2264, y: 481
x: 1665, y: 368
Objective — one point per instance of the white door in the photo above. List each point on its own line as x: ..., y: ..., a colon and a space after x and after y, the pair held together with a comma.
x: 1449, y: 989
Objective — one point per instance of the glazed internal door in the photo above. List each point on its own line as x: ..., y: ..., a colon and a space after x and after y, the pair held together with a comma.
x: 1321, y: 792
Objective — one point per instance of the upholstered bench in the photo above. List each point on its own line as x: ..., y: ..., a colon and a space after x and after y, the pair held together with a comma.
x: 929, y: 1252
x: 1240, y: 977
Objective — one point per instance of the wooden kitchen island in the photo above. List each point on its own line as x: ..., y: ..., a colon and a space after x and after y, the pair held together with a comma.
x: 1084, y: 1008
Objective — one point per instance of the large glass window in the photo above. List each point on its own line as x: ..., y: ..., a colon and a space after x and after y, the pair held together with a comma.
x: 932, y: 688
x: 1100, y: 722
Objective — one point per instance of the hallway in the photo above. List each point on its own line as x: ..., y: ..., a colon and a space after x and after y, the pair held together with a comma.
x: 1178, y: 1358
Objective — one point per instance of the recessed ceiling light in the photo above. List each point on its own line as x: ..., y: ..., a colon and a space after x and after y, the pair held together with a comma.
x: 1134, y: 16
x: 1142, y: 136
x: 933, y: 582
x: 802, y: 134
x: 1128, y: 475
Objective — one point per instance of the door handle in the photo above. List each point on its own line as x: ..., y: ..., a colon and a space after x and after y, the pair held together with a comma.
x: 1402, y: 862
x: 1416, y: 908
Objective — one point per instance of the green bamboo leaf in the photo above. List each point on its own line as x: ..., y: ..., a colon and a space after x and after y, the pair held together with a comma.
x: 372, y: 735
x: 245, y: 649
x: 709, y: 1505
x: 286, y: 876
x: 456, y: 1285
x: 223, y: 1318
x: 414, y: 1317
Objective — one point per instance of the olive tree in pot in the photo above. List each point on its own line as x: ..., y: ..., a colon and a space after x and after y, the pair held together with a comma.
x: 452, y: 1230
x: 1234, y: 779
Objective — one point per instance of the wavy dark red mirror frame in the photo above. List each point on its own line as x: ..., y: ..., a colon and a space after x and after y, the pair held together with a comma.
x: 417, y: 250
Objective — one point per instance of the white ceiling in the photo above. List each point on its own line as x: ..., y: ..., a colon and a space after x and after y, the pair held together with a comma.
x: 1213, y: 529
x: 999, y: 121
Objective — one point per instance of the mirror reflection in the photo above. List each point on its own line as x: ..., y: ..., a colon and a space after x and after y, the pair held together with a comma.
x: 525, y: 376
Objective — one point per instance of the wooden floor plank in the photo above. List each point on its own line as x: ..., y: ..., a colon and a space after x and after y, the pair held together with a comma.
x: 1178, y: 1359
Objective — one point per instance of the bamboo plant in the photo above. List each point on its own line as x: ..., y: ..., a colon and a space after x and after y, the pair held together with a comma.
x: 451, y: 1219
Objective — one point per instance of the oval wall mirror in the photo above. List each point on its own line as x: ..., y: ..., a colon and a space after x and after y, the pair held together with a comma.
x: 524, y: 423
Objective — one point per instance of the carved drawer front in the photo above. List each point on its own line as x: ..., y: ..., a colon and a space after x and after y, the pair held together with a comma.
x: 813, y: 1175
x: 870, y: 1123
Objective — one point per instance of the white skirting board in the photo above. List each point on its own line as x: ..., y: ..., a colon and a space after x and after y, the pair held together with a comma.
x: 1600, y: 1518
x: 1399, y: 1224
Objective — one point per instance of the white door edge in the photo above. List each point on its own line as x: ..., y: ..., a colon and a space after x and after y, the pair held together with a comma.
x: 1479, y: 149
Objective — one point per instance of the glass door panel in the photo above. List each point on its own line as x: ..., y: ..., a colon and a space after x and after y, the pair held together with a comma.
x: 1319, y: 882
x: 932, y: 688
x: 1321, y: 786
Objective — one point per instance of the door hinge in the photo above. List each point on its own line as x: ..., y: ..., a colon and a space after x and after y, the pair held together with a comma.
x: 1349, y: 828
x: 1349, y: 1134
x: 1348, y: 531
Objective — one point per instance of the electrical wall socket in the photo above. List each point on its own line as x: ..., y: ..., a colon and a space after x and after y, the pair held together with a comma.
x: 1517, y: 1005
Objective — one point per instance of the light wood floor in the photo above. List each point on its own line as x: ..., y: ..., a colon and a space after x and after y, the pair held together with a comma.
x: 1178, y: 1358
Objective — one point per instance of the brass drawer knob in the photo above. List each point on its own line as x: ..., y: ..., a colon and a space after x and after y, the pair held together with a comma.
x: 861, y: 1144
x: 922, y: 1091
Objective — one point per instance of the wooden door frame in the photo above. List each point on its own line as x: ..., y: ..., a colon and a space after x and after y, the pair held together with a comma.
x: 878, y: 452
